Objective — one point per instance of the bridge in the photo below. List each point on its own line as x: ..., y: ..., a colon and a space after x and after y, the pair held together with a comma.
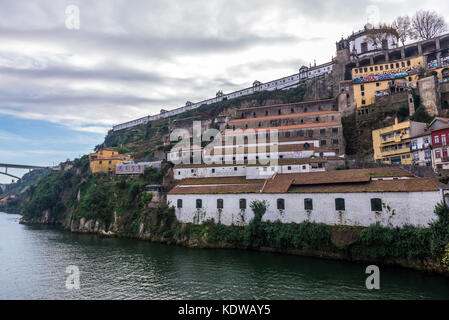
x: 16, y: 166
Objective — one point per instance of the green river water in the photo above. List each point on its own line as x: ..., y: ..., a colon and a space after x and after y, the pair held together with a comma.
x: 33, y: 262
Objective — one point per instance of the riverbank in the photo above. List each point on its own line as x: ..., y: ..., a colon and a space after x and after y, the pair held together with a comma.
x: 373, y: 245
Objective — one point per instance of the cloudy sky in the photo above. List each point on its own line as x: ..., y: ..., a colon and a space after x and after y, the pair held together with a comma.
x: 63, y: 87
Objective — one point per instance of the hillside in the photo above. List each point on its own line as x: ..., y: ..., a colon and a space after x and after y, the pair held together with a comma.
x: 29, y: 179
x: 144, y: 141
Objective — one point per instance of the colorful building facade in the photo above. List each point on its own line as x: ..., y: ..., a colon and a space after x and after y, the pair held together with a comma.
x: 106, y: 159
x: 377, y: 80
x: 392, y: 144
x: 422, y: 149
x: 440, y: 145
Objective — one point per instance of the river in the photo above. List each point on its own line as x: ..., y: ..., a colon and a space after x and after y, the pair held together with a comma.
x: 33, y: 262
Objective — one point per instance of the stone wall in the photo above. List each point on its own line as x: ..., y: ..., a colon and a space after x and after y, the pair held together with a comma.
x: 430, y: 95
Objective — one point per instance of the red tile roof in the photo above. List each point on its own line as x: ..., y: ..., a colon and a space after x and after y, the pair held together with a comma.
x: 292, y: 127
x: 287, y: 104
x: 342, y: 181
x: 293, y: 115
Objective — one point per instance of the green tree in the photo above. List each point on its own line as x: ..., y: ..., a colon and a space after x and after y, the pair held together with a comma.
x: 254, y: 231
x: 421, y: 115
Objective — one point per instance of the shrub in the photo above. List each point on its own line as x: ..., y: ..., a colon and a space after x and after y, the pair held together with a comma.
x: 253, y: 236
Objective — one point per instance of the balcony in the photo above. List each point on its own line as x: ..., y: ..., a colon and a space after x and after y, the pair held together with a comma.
x: 395, y: 139
x: 395, y: 152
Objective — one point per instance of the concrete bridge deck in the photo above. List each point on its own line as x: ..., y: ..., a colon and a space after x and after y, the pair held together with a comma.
x: 17, y: 166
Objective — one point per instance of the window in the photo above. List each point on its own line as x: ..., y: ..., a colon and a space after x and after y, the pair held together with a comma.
x: 334, y: 130
x: 376, y: 204
x: 437, y: 154
x: 219, y: 203
x: 287, y: 134
x: 235, y: 168
x: 310, y: 133
x: 289, y: 168
x: 377, y: 84
x: 340, y: 204
x: 281, y: 204
x: 179, y: 204
x: 242, y: 203
x: 308, y: 204
x: 199, y: 203
x: 362, y: 87
x: 323, y: 142
x: 300, y: 133
x: 363, y: 102
x: 322, y: 131
x: 213, y: 170
x: 335, y: 141
x: 437, y: 140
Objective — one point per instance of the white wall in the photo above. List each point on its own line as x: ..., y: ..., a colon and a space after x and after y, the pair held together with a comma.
x: 250, y: 172
x: 414, y: 208
x: 206, y: 172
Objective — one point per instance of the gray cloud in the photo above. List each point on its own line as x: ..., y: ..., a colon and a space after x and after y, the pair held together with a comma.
x: 133, y: 58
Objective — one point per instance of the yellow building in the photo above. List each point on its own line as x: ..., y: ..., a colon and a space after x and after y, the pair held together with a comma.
x: 106, y: 159
x: 376, y: 80
x: 392, y: 145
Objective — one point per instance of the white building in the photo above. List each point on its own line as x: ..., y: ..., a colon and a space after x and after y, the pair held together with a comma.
x: 388, y: 196
x: 249, y: 171
x: 422, y: 149
x: 136, y: 168
x: 361, y: 43
x: 315, y: 71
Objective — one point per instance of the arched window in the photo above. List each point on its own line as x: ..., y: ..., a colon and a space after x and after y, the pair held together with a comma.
x: 242, y: 203
x: 219, y: 203
x: 340, y: 204
x: 179, y: 204
x: 308, y: 204
x: 281, y: 204
x: 376, y: 204
x: 199, y: 203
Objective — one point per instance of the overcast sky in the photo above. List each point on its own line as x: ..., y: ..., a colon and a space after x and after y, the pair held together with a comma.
x: 61, y: 89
